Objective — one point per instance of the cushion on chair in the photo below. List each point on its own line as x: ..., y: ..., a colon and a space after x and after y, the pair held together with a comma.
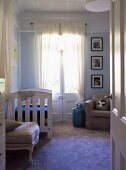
x: 103, y: 104
x: 98, y: 96
x: 24, y: 134
x: 11, y: 124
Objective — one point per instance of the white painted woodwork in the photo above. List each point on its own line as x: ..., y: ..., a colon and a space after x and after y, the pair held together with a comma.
x: 49, y: 5
x: 27, y: 107
x: 2, y: 135
x: 19, y: 110
x: 35, y: 109
x: 39, y: 96
x: 118, y: 83
x: 42, y: 112
x: 62, y: 106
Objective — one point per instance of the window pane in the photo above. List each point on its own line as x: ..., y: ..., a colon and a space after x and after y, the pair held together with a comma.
x: 54, y: 76
x: 70, y: 77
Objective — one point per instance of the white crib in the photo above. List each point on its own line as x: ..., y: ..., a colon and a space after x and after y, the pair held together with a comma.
x: 24, y: 100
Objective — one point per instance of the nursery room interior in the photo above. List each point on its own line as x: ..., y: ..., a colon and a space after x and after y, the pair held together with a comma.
x: 62, y: 105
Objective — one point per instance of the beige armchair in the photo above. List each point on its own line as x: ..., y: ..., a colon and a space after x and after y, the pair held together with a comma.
x: 97, y: 119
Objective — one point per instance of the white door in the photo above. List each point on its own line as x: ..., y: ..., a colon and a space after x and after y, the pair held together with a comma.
x: 118, y: 84
x: 65, y: 92
x: 62, y: 106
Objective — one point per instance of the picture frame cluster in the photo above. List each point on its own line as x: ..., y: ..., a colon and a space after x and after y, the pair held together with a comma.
x: 96, y: 62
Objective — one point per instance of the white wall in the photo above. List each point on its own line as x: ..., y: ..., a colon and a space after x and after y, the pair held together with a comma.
x: 97, y: 25
x: 28, y: 77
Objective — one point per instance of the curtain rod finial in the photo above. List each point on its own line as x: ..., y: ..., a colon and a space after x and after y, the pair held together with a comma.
x: 31, y: 23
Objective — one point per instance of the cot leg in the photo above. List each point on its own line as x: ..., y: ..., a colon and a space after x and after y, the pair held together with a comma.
x: 49, y: 136
x: 49, y: 133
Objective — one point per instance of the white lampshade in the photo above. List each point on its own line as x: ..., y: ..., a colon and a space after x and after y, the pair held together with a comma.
x: 97, y: 5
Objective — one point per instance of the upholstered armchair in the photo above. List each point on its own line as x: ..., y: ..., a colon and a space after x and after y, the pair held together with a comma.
x: 98, y: 112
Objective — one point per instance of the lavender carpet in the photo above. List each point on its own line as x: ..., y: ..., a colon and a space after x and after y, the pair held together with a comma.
x: 70, y: 149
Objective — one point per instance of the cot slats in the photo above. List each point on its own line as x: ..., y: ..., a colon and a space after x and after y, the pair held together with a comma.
x: 13, y: 108
x: 18, y: 98
x: 42, y: 112
x: 27, y: 110
x: 34, y: 109
x: 19, y: 110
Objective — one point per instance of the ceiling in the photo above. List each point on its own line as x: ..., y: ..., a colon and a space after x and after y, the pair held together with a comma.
x: 50, y: 5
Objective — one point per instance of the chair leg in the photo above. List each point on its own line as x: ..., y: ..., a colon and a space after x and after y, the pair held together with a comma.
x: 30, y: 154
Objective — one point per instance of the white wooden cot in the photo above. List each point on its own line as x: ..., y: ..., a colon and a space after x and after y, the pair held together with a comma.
x: 31, y: 97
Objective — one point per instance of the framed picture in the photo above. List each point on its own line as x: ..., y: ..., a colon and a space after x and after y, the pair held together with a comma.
x: 97, y: 81
x: 96, y: 62
x: 96, y: 44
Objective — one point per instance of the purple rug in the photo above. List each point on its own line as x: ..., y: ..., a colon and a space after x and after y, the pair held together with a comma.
x: 70, y: 149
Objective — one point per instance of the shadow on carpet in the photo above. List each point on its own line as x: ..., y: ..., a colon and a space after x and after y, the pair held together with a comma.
x: 70, y: 149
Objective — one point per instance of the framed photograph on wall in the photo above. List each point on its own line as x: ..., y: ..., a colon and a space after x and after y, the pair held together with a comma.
x: 97, y: 81
x: 96, y: 44
x: 96, y: 62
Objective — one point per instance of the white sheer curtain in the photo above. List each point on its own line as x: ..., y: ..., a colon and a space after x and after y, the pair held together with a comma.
x: 8, y: 42
x: 47, y: 53
x: 1, y: 19
x: 73, y: 38
x: 7, y: 46
x: 1, y: 30
x: 46, y: 42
